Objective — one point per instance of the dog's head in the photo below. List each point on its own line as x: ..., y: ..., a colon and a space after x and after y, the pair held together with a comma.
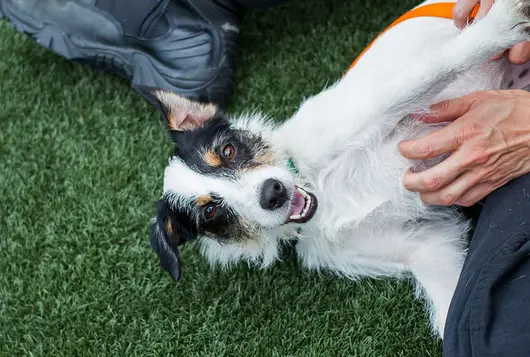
x: 225, y: 186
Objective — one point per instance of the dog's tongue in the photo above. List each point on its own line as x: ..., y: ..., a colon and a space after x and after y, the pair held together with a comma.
x: 297, y: 203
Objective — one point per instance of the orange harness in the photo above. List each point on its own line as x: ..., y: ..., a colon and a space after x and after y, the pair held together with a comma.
x: 442, y: 10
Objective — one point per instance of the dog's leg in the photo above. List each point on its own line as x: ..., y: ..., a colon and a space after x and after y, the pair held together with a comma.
x: 354, y: 112
x: 505, y: 25
x: 384, y: 106
x: 436, y: 263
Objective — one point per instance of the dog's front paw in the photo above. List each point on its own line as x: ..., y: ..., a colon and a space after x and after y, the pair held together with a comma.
x: 523, y: 8
x: 506, y: 24
x: 513, y: 14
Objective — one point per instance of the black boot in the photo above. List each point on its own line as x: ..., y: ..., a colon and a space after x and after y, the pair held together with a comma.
x: 187, y: 46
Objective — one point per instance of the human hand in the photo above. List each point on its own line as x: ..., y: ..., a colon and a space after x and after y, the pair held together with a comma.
x: 489, y: 141
x: 518, y: 54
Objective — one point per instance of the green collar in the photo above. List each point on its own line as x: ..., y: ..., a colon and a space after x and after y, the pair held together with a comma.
x: 292, y: 166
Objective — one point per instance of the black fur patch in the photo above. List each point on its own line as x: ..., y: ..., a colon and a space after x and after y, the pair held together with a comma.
x: 224, y: 225
x: 183, y: 229
x: 170, y: 229
x: 182, y: 219
x: 192, y: 146
x: 188, y: 220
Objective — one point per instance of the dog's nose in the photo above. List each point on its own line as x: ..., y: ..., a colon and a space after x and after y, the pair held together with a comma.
x: 273, y: 195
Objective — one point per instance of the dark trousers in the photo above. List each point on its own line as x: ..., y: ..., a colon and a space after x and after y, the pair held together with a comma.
x: 490, y: 311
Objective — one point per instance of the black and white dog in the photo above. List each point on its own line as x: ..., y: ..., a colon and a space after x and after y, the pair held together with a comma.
x: 230, y: 188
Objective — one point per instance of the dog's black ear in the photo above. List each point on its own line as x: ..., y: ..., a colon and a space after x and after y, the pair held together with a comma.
x: 167, y: 233
x: 179, y: 113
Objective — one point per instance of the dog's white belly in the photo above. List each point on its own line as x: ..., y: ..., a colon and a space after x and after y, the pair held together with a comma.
x: 357, y: 183
x: 363, y: 205
x: 353, y: 181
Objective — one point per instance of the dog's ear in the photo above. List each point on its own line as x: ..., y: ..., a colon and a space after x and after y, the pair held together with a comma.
x: 167, y: 233
x: 179, y: 113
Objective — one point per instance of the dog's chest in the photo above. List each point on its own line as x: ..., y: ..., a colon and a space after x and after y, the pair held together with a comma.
x: 376, y: 245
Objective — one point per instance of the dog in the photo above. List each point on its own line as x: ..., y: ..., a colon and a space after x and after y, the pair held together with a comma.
x: 331, y: 176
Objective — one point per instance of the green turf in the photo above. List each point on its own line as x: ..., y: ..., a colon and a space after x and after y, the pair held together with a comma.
x: 81, y: 163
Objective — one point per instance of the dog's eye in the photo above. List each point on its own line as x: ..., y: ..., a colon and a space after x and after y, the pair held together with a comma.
x: 209, y: 211
x: 229, y: 151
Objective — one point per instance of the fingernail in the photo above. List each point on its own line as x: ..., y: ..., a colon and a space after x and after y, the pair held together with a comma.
x: 458, y: 17
x: 402, y: 146
x: 435, y: 107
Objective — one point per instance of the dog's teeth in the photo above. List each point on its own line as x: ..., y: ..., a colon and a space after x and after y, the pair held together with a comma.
x: 306, y: 206
x: 302, y: 192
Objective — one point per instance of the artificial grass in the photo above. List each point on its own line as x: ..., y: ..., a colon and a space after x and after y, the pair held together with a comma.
x: 81, y: 164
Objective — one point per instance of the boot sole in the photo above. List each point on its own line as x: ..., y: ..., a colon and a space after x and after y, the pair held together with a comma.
x: 128, y: 63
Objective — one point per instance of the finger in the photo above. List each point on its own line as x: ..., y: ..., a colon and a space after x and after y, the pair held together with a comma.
x: 498, y: 56
x: 437, y: 176
x: 432, y: 145
x: 476, y: 194
x: 438, y: 142
x: 452, y: 192
x: 449, y: 110
x: 462, y: 11
x: 520, y: 53
x: 485, y: 6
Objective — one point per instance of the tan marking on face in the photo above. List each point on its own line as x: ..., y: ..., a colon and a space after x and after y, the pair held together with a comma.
x: 266, y: 158
x: 203, y: 200
x: 169, y: 226
x: 212, y: 159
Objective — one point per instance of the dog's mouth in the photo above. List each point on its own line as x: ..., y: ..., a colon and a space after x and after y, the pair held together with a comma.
x: 303, y: 206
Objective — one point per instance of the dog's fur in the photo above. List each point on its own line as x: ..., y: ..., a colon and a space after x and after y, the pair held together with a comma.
x: 344, y: 143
